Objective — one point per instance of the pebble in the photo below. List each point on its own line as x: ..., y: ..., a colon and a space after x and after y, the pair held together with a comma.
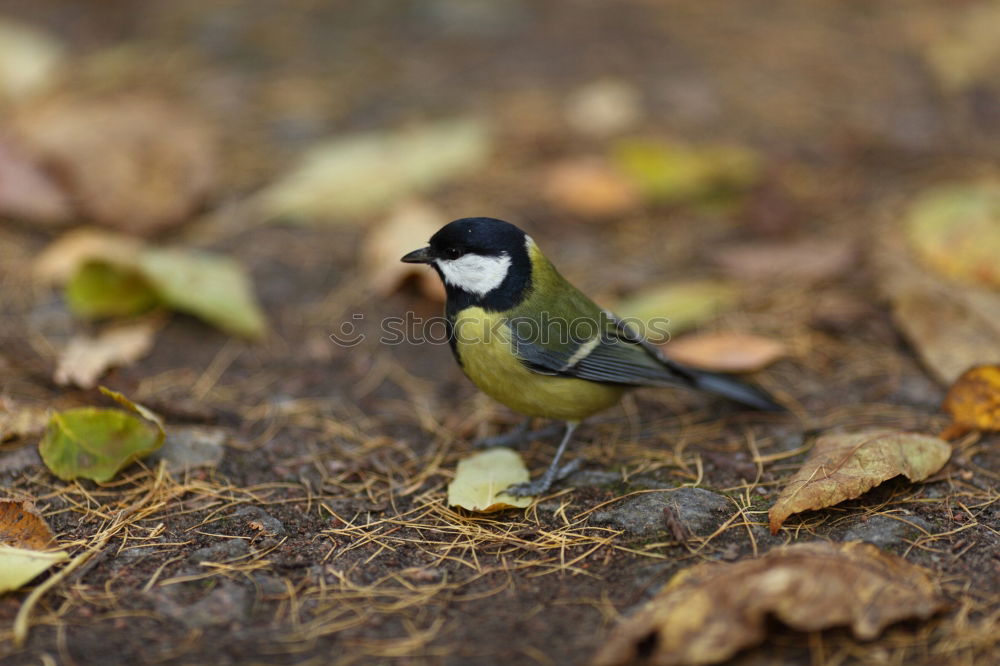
x: 700, y: 511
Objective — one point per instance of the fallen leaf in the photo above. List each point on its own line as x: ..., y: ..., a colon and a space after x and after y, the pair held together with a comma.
x: 357, y: 175
x: 409, y: 227
x: 726, y: 352
x: 955, y: 230
x: 112, y: 275
x: 22, y: 527
x: 952, y: 327
x: 132, y: 162
x: 65, y: 256
x: 214, y: 288
x: 709, y: 612
x: 26, y: 190
x: 29, y: 60
x: 95, y: 443
x: 603, y: 108
x: 809, y: 260
x: 20, y: 422
x: 480, y: 481
x: 671, y: 309
x: 85, y: 359
x: 670, y: 172
x: 589, y: 187
x: 973, y: 401
x: 845, y: 465
x: 101, y: 290
x: 18, y: 566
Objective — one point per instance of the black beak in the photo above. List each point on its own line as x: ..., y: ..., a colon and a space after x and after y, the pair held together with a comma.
x: 421, y: 256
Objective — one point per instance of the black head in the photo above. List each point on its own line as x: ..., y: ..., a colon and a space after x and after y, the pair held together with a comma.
x: 482, y: 261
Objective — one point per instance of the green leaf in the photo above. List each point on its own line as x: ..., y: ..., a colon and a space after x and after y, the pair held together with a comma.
x: 95, y: 443
x: 684, y: 304
x: 211, y: 287
x: 100, y: 289
x: 669, y: 172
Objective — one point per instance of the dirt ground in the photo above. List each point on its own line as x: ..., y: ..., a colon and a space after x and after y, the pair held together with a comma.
x: 323, y: 535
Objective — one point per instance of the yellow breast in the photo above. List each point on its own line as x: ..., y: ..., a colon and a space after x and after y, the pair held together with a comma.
x: 483, y: 345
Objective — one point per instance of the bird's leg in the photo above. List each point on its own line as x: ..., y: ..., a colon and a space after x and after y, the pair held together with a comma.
x: 542, y: 484
x: 517, y: 435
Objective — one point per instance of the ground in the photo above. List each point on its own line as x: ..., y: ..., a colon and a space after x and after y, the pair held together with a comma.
x: 323, y: 534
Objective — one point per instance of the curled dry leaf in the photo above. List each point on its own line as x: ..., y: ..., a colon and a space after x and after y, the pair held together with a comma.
x: 845, y: 465
x: 65, y: 256
x: 680, y: 305
x: 409, y: 227
x: 726, y: 352
x: 589, y: 187
x: 85, y: 359
x: 480, y: 481
x: 360, y: 174
x: 22, y: 527
x: 973, y: 401
x: 133, y: 162
x: 95, y: 443
x: 710, y: 611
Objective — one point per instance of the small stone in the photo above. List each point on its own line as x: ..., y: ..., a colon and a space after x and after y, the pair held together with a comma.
x: 226, y: 604
x: 218, y: 552
x: 700, y: 511
x: 191, y: 448
x: 258, y: 519
x: 884, y: 531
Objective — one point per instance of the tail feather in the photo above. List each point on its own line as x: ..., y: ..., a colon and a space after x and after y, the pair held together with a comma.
x: 731, y: 388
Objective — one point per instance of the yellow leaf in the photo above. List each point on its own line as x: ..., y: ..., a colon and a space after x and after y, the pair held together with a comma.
x: 710, y: 611
x: 19, y: 565
x: 845, y: 465
x: 973, y: 401
x: 481, y: 479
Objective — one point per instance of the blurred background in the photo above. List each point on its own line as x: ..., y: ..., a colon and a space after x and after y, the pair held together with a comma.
x: 194, y: 196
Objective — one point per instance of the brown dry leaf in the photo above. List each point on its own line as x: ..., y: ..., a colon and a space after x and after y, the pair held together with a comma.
x: 63, y: 258
x: 409, y: 227
x: 973, y: 401
x: 22, y: 527
x: 710, y: 611
x: 809, y: 260
x: 27, y: 192
x: 85, y: 359
x: 133, y: 162
x: 589, y: 187
x: 844, y: 465
x: 19, y: 422
x: 726, y: 352
x: 952, y: 327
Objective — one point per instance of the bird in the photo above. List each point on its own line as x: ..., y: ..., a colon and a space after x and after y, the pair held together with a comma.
x: 532, y: 341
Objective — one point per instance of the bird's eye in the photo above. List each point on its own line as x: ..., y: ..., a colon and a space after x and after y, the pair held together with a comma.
x: 452, y: 253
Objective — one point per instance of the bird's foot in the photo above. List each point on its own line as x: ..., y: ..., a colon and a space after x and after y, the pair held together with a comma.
x: 517, y: 436
x: 543, y: 483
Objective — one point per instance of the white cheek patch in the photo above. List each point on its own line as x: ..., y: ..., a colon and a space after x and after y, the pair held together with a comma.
x: 475, y: 273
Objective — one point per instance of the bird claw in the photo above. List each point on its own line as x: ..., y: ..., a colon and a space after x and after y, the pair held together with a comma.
x: 543, y: 483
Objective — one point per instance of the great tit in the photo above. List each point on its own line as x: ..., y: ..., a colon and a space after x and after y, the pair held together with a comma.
x: 532, y: 341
